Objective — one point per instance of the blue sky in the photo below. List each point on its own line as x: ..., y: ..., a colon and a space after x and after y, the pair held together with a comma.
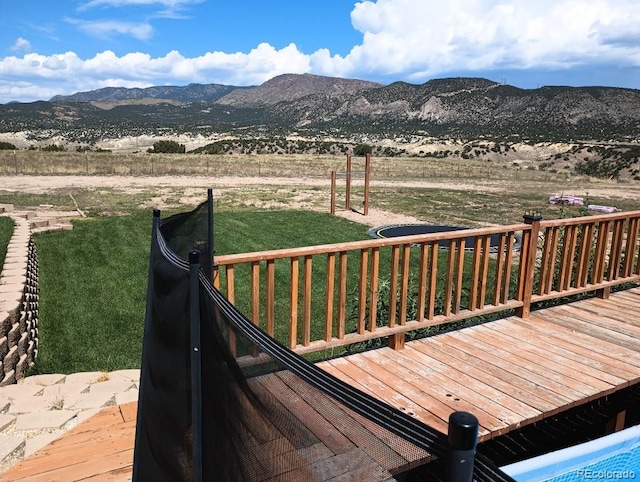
x: 50, y: 47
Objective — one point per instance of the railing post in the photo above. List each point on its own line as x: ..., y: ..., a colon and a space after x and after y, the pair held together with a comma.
x: 462, y: 438
x: 396, y: 341
x: 529, y: 259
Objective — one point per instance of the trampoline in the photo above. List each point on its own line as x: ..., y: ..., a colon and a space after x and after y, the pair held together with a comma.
x: 396, y: 230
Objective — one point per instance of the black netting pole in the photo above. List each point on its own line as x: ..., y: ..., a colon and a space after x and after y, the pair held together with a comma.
x: 144, y: 360
x: 209, y: 264
x: 463, y: 438
x: 196, y: 365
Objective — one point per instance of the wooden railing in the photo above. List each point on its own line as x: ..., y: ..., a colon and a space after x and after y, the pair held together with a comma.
x: 322, y: 297
x: 585, y: 254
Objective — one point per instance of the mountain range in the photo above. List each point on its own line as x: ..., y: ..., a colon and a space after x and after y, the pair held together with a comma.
x: 315, y: 105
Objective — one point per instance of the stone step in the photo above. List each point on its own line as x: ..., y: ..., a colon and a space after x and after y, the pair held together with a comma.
x: 10, y: 444
x: 6, y: 208
x: 39, y: 222
x: 43, y: 218
x: 61, y: 215
x: 24, y: 214
x: 53, y: 227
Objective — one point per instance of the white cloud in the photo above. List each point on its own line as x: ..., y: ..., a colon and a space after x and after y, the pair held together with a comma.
x: 106, y: 28
x: 410, y: 40
x: 21, y: 45
x: 421, y: 38
x: 71, y: 74
x: 170, y: 4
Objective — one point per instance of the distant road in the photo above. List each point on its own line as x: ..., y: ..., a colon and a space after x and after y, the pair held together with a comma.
x: 44, y: 184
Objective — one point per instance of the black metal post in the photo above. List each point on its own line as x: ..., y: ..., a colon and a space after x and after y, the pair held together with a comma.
x: 196, y: 364
x: 463, y: 438
x: 211, y: 252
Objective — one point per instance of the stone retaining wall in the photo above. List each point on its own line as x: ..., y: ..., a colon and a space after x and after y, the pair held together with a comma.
x: 18, y: 305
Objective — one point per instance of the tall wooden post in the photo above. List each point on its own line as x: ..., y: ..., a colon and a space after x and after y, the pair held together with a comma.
x: 347, y: 202
x: 528, y: 263
x: 333, y: 192
x: 367, y: 177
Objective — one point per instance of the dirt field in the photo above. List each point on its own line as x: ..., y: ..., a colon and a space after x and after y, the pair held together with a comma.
x: 298, y: 193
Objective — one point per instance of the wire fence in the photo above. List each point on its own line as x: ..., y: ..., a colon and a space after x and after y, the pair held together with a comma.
x: 31, y: 162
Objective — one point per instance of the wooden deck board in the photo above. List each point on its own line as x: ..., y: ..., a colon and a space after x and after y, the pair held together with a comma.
x: 509, y: 373
x: 543, y: 322
x: 571, y: 319
x: 603, y: 318
x: 585, y: 356
x: 489, y: 391
x: 501, y: 380
x: 101, y: 447
x: 445, y: 378
x: 536, y: 349
x: 343, y: 366
x: 421, y: 391
x: 558, y: 358
x: 489, y: 368
x: 534, y: 369
x: 559, y: 367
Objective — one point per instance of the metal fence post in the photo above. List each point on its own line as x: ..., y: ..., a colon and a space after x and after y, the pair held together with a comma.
x: 463, y: 438
x: 210, y: 236
x: 196, y: 363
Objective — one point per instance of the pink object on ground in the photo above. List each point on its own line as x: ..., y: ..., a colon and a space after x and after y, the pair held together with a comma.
x: 566, y: 199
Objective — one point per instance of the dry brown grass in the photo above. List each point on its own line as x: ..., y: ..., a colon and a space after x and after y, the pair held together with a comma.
x: 33, y: 162
x: 456, y: 191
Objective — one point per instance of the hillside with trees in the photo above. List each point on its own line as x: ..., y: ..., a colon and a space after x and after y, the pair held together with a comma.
x: 315, y: 114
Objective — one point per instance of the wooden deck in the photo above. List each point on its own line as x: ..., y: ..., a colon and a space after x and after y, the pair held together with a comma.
x: 509, y: 373
x: 100, y: 448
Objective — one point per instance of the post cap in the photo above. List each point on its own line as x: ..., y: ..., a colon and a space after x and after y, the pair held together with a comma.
x: 463, y: 431
x: 531, y: 216
x: 194, y: 256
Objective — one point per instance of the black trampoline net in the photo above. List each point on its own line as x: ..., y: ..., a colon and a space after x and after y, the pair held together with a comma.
x: 264, y: 414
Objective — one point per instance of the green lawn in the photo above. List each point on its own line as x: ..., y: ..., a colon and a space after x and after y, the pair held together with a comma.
x: 93, y: 279
x: 6, y: 230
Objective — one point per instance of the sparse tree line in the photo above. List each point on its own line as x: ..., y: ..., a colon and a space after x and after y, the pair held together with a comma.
x: 608, y: 162
x: 50, y: 148
x: 281, y: 146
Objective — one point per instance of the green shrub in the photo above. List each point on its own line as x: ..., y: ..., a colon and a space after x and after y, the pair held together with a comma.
x: 168, y: 147
x: 362, y: 150
x: 53, y: 148
x: 7, y: 146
